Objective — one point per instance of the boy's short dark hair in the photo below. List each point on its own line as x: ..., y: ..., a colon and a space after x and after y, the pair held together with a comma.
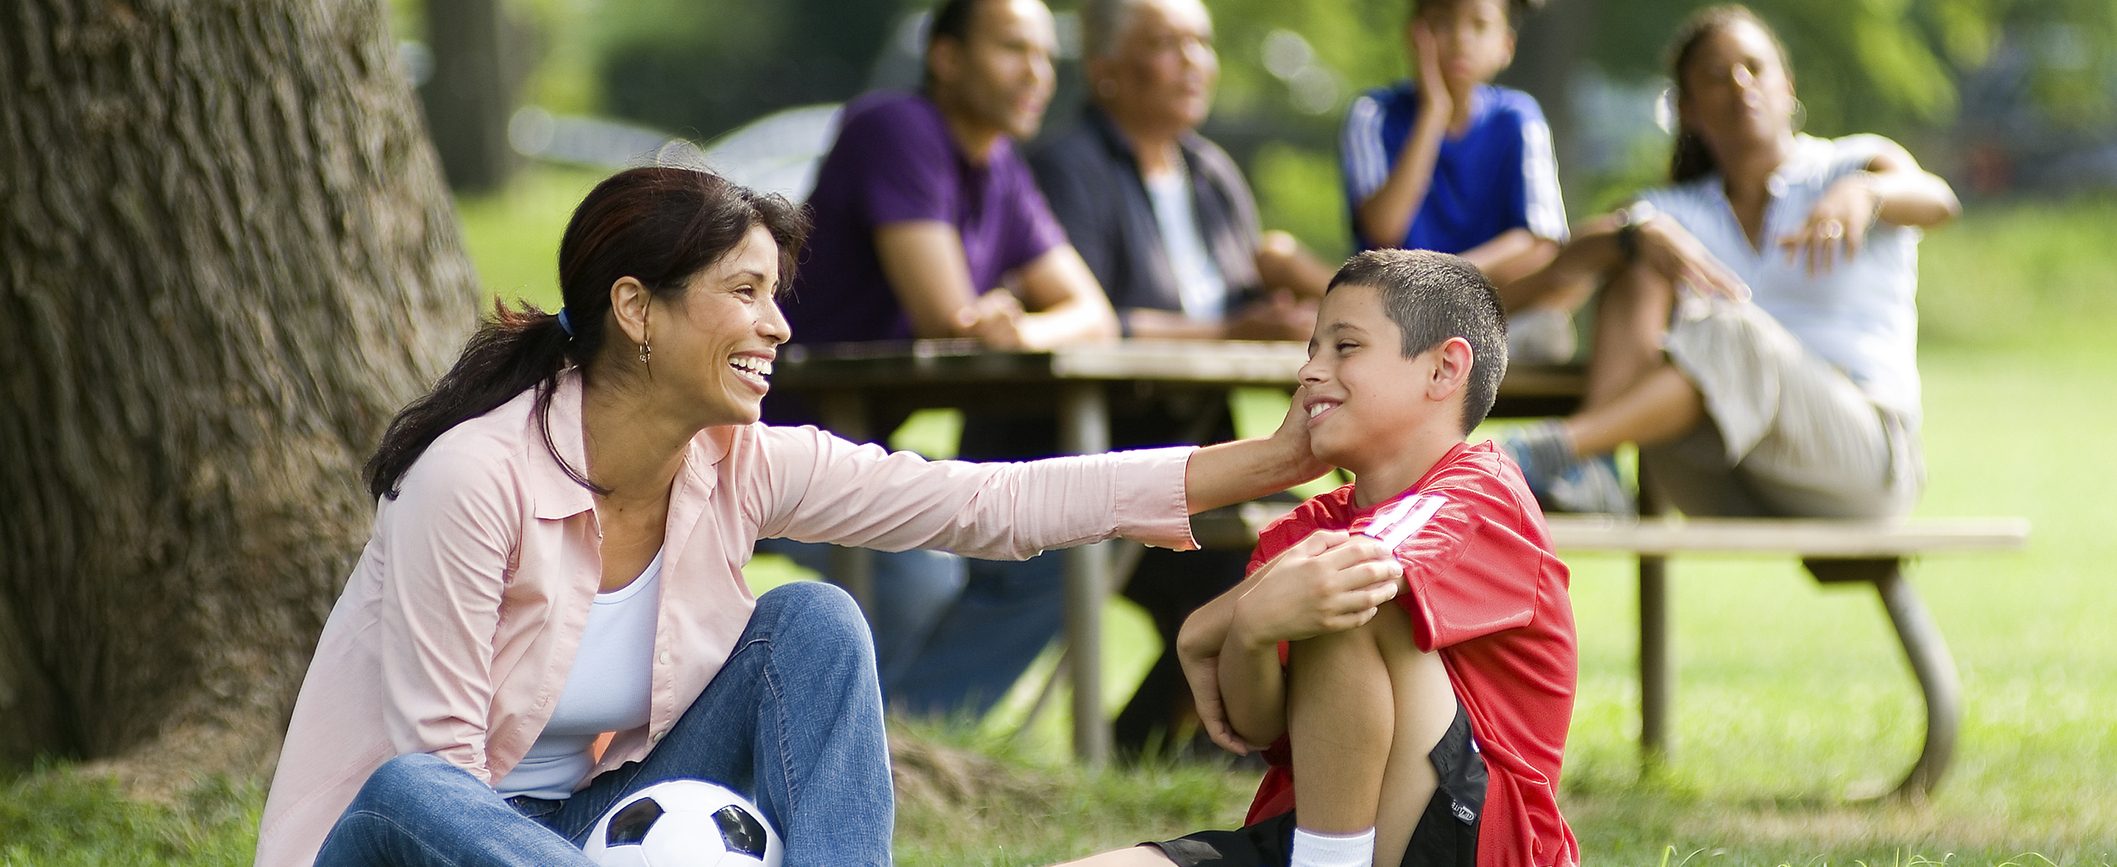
x: 1516, y: 9
x: 1435, y: 296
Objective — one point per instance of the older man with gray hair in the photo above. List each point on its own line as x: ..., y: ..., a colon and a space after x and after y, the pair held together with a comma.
x: 1161, y: 215
x: 1167, y: 224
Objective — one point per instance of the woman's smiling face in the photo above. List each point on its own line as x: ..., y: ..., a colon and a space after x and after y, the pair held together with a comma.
x: 725, y: 333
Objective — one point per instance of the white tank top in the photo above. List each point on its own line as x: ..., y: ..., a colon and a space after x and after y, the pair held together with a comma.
x: 605, y: 692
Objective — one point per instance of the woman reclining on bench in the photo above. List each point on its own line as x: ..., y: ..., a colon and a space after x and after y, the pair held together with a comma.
x: 1757, y: 334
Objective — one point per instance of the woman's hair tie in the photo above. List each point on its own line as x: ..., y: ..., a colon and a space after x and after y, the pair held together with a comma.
x: 565, y: 323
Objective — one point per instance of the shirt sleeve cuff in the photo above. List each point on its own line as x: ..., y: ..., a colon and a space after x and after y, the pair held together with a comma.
x: 1152, y: 505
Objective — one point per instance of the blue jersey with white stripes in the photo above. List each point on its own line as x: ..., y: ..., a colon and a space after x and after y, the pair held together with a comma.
x: 1500, y: 174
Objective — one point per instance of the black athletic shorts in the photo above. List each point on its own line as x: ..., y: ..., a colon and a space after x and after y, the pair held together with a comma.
x: 1446, y: 835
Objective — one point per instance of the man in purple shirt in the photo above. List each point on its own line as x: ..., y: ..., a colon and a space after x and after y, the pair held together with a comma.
x: 928, y: 224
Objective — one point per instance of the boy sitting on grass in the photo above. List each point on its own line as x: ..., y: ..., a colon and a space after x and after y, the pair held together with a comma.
x: 1428, y: 732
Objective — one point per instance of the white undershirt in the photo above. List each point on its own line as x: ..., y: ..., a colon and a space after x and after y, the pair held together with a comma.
x: 1199, y: 284
x: 606, y: 692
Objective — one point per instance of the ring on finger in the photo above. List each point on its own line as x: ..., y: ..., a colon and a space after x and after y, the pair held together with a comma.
x: 1831, y: 229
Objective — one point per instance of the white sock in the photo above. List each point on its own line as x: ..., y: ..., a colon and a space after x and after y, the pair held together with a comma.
x: 1333, y: 850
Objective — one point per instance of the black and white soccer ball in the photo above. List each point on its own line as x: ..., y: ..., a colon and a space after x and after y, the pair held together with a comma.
x: 684, y: 823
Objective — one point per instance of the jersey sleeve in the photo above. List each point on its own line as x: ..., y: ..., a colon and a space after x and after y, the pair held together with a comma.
x: 1469, y: 571
x: 1543, y: 206
x: 1362, y: 158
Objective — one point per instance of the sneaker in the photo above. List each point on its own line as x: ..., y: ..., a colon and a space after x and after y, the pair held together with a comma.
x: 1582, y: 485
x: 1590, y: 486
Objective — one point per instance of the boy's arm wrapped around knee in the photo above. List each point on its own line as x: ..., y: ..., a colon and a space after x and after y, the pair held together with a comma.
x: 1328, y: 582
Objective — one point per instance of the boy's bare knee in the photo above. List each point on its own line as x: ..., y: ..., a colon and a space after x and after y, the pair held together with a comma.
x: 1334, y: 648
x: 1386, y: 635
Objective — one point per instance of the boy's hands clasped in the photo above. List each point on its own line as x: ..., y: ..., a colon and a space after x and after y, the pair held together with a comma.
x: 1331, y: 581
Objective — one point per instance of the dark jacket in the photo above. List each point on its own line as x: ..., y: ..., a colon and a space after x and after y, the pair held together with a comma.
x: 1091, y: 179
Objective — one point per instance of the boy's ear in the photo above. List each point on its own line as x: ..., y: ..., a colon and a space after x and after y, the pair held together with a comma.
x: 1452, y: 361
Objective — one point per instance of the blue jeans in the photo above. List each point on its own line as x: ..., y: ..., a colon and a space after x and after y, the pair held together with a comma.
x: 794, y: 719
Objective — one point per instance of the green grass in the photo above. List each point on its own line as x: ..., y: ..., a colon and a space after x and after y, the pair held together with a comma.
x: 60, y: 817
x: 513, y: 236
x: 1788, y: 694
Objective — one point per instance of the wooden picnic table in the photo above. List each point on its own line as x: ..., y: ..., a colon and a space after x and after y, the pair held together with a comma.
x: 854, y: 385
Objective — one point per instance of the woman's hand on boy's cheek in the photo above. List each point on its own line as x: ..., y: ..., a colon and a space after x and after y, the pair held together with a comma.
x: 1292, y: 439
x: 1329, y: 582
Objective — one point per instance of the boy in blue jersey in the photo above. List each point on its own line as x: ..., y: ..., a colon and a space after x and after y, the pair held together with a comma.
x: 1451, y: 162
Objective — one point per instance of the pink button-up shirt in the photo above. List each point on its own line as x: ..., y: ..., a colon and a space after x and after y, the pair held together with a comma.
x: 460, y: 623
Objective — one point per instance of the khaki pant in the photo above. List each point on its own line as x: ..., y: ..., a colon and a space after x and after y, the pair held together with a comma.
x: 1787, y: 434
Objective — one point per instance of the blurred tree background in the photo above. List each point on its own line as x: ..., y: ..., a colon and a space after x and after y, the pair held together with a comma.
x: 2001, y: 96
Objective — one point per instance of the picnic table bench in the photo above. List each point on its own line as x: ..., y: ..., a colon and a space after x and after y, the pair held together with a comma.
x: 1835, y: 551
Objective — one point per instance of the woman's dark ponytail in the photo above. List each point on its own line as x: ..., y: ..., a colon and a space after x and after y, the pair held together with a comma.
x: 1691, y: 160
x: 517, y: 349
x: 659, y: 225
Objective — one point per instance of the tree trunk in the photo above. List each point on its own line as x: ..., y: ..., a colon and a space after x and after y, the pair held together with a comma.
x: 226, y: 258
x: 472, y: 94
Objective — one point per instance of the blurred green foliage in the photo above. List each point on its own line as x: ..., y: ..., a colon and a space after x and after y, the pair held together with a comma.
x: 700, y: 67
x: 1903, y: 68
x: 1886, y: 65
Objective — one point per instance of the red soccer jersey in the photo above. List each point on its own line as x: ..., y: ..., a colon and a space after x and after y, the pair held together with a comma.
x: 1483, y: 589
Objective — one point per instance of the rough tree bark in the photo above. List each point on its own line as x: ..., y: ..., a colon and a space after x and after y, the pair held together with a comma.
x: 226, y: 258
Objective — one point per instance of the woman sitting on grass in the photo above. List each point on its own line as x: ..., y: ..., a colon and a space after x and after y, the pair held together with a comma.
x: 550, y: 612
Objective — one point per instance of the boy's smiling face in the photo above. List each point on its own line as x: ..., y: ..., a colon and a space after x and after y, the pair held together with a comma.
x: 1364, y: 399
